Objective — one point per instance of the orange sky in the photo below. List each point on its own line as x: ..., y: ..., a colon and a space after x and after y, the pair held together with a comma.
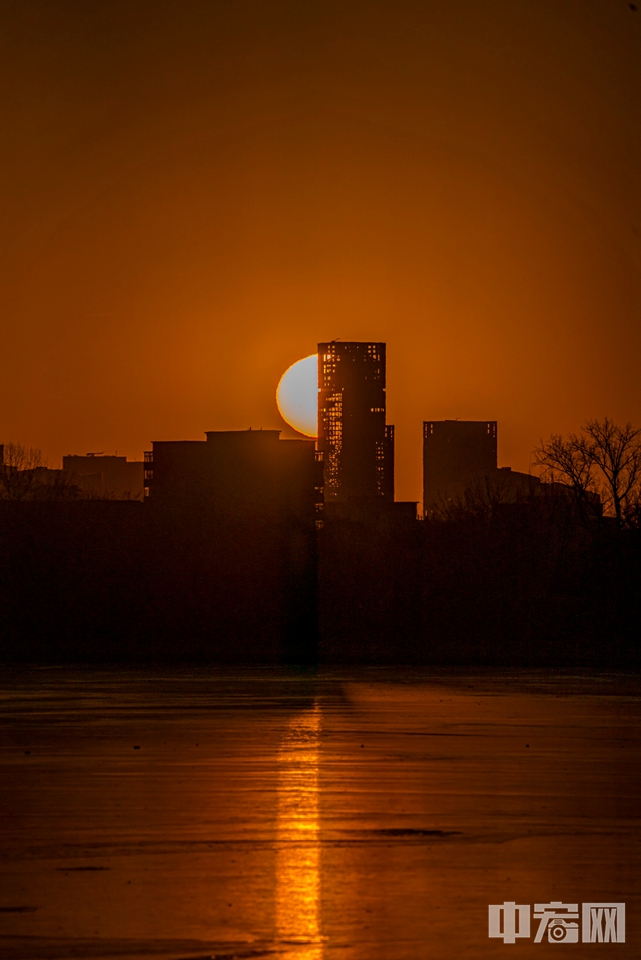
x: 195, y: 193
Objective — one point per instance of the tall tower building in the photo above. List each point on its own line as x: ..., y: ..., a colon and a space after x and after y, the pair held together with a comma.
x: 456, y: 452
x: 356, y: 443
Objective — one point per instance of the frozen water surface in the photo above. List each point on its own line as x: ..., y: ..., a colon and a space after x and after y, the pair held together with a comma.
x: 329, y: 815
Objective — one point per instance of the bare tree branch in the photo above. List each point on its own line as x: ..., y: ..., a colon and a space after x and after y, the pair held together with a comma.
x: 616, y: 451
x: 24, y: 476
x: 603, y: 459
x: 20, y: 472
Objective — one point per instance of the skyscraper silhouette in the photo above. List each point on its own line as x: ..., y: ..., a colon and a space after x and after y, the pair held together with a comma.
x: 356, y: 443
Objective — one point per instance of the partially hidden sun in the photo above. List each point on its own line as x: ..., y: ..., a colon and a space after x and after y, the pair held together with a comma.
x: 297, y: 395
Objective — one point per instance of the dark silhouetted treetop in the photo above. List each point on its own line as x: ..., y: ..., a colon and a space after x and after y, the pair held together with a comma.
x: 603, y: 460
x: 24, y: 475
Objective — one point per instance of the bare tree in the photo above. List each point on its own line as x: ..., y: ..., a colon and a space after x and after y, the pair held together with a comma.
x: 482, y: 497
x: 21, y: 472
x: 24, y: 475
x: 604, y: 461
x: 616, y: 452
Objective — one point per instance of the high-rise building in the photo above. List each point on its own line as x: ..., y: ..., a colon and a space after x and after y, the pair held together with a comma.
x: 356, y: 444
x: 456, y: 452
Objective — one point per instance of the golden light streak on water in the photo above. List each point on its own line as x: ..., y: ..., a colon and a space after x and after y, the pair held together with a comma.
x: 298, y: 913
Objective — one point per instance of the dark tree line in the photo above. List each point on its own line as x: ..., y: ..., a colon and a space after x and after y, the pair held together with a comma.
x: 540, y: 575
x: 544, y: 572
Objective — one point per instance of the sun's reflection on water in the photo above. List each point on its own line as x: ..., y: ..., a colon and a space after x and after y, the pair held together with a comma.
x: 298, y: 916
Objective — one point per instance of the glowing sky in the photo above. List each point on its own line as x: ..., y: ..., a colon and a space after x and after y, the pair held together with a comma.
x: 194, y: 194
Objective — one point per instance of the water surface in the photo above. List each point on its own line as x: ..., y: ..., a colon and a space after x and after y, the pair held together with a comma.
x: 353, y: 814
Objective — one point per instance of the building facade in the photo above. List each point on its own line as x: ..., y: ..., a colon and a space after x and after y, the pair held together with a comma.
x: 100, y: 476
x: 234, y: 518
x: 356, y: 444
x: 236, y: 473
x: 456, y: 452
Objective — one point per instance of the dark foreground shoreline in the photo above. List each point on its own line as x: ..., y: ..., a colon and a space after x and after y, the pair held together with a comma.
x: 120, y: 582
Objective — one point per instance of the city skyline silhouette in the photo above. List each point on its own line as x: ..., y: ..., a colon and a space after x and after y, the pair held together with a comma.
x: 193, y: 202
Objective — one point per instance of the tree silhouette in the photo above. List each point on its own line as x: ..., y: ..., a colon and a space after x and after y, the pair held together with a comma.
x: 24, y: 476
x: 603, y: 460
x: 482, y: 497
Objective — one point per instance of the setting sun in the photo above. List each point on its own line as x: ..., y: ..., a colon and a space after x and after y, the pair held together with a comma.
x: 297, y: 395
